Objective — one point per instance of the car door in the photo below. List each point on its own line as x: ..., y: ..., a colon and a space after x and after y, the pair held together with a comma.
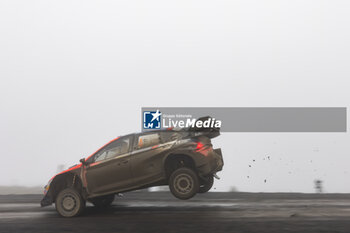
x: 147, y: 158
x: 110, y: 168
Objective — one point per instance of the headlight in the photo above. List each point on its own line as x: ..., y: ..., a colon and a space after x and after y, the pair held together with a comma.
x: 47, y: 187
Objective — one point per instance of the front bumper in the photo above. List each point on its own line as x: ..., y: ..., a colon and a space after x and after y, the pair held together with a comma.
x: 46, y: 201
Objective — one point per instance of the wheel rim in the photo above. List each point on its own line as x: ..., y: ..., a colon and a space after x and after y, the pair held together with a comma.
x: 183, y: 183
x: 68, y: 202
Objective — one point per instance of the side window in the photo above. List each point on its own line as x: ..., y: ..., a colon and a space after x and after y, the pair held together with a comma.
x: 148, y: 140
x: 116, y: 148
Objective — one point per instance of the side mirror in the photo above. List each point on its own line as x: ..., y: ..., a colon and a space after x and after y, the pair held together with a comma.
x: 83, y: 161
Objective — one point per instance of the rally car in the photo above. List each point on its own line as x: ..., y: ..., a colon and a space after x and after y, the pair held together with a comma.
x: 183, y: 159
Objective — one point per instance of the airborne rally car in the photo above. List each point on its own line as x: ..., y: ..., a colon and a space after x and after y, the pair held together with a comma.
x: 183, y: 159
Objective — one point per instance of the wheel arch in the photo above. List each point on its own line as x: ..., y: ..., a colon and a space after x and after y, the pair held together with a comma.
x: 65, y: 180
x: 175, y: 160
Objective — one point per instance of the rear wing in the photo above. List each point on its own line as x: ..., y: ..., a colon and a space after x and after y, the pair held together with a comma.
x: 205, y: 126
x: 209, y: 130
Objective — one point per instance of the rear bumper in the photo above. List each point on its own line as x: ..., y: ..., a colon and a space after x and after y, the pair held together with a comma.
x: 219, y: 159
x: 213, y: 164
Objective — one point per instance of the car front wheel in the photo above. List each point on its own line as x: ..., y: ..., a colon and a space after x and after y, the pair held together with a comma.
x: 69, y: 203
x: 184, y: 183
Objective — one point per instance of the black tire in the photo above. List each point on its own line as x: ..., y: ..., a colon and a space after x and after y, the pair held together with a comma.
x: 206, y: 185
x: 184, y: 183
x: 103, y: 201
x: 69, y: 203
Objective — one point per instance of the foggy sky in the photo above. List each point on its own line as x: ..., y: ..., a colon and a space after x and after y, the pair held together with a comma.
x: 75, y: 74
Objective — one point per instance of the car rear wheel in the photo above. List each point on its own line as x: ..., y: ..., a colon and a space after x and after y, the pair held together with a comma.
x: 69, y: 203
x: 206, y: 185
x: 103, y: 201
x: 184, y: 183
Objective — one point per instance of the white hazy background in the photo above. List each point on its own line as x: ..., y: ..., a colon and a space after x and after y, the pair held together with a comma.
x: 75, y: 74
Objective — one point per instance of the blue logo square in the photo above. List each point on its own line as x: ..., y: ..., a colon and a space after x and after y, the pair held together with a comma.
x: 152, y: 119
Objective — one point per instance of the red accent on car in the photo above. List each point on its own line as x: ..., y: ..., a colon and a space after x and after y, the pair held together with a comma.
x: 93, y: 164
x: 199, y: 146
x: 79, y: 165
x: 70, y: 169
x: 203, y: 149
x: 154, y: 147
